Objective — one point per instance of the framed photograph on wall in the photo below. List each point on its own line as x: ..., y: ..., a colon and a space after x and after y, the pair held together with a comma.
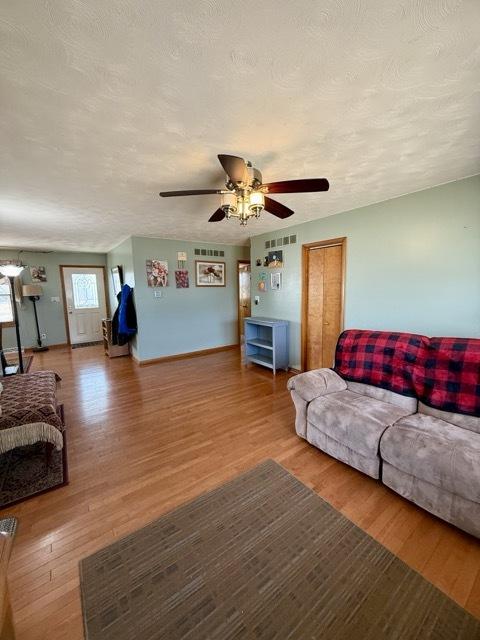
x: 38, y: 274
x: 209, y: 274
x: 117, y: 278
x: 276, y: 281
x: 157, y: 273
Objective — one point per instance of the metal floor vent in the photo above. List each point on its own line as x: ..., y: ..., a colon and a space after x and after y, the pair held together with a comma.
x: 210, y: 252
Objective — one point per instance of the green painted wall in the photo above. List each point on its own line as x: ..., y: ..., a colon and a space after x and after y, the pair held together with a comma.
x: 50, y: 314
x: 184, y: 320
x: 413, y: 264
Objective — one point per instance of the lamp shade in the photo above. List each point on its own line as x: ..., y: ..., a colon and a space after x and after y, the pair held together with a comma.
x: 32, y: 290
x: 10, y: 270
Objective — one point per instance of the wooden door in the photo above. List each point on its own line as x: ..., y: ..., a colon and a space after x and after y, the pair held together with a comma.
x: 244, y: 302
x: 85, y: 304
x: 322, y: 313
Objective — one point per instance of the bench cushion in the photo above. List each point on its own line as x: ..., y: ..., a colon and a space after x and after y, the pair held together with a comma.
x: 30, y: 398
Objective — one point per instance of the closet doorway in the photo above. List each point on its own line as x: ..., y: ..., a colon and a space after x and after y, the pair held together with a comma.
x: 244, y: 304
x: 323, y: 277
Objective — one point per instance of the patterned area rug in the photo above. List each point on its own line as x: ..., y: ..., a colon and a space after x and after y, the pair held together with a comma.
x: 261, y: 557
x: 24, y: 473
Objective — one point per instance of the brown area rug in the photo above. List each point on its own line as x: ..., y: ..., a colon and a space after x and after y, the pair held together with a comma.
x: 260, y: 557
x: 24, y: 473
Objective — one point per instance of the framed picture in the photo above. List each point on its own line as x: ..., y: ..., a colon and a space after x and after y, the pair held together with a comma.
x: 39, y: 274
x: 209, y: 274
x: 181, y: 279
x: 275, y: 259
x: 276, y: 281
x: 157, y: 273
x: 117, y: 278
x: 262, y: 281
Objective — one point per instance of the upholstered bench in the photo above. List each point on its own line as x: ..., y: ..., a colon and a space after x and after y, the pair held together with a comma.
x: 30, y: 412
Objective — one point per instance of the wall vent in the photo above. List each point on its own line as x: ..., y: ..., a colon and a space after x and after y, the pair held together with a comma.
x: 279, y: 242
x: 209, y: 252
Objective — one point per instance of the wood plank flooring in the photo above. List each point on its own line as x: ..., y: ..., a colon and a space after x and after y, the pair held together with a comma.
x: 144, y: 440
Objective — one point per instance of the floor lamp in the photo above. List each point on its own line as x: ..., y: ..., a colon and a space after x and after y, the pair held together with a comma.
x: 34, y: 291
x: 12, y: 271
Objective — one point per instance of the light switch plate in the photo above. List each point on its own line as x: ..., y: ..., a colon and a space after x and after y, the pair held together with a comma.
x: 158, y: 293
x: 257, y: 299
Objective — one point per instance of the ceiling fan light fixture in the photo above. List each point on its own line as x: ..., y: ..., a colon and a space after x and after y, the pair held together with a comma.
x: 257, y: 203
x: 229, y: 204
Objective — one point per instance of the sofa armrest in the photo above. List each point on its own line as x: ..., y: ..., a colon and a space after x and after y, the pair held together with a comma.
x: 316, y: 383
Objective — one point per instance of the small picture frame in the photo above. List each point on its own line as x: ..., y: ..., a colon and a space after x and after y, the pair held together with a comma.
x: 209, y: 273
x: 38, y: 274
x: 117, y: 278
x: 276, y: 281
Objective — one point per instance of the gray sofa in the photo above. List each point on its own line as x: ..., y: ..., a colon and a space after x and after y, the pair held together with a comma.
x: 428, y: 456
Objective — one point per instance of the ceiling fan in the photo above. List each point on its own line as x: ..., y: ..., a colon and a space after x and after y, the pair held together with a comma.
x: 246, y: 196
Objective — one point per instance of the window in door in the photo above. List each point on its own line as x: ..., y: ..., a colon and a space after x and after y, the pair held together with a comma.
x: 85, y: 291
x: 6, y: 310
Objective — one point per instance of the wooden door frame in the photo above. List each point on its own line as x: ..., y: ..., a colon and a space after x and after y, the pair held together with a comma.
x: 64, y: 297
x: 239, y: 262
x: 306, y: 248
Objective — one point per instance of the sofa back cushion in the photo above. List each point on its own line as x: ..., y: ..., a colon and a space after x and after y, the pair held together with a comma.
x: 450, y: 377
x: 383, y: 359
x: 472, y: 423
x: 404, y: 402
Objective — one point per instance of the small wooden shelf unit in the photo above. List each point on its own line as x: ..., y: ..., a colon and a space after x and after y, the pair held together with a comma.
x: 112, y: 350
x: 266, y: 342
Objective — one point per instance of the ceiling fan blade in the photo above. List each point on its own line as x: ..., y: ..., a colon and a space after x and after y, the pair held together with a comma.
x: 235, y: 168
x: 217, y: 216
x: 297, y: 186
x: 191, y: 192
x: 277, y: 208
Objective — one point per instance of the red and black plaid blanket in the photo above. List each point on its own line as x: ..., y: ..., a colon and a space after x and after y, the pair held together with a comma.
x: 450, y: 378
x: 381, y: 358
x: 443, y: 373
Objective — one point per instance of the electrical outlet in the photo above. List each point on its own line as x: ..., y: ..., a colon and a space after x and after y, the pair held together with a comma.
x: 257, y: 299
x: 43, y: 336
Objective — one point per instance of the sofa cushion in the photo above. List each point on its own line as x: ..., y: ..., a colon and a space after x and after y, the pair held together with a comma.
x: 435, y: 451
x: 409, y: 404
x: 460, y: 419
x: 355, y: 420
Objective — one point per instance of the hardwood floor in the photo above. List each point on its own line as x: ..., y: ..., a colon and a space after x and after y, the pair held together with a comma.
x: 143, y: 440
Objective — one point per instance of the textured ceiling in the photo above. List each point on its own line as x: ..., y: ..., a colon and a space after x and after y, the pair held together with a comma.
x: 105, y: 102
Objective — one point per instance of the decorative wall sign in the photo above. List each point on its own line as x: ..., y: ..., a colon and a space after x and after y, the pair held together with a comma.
x: 39, y: 274
x: 275, y: 259
x: 181, y: 256
x: 209, y: 274
x: 181, y: 279
x: 157, y: 273
x: 276, y: 281
x: 262, y: 281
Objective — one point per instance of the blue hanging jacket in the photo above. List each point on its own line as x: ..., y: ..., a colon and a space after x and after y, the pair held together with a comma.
x: 125, y: 317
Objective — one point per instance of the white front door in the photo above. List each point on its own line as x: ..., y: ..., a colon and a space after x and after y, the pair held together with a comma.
x: 85, y: 303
